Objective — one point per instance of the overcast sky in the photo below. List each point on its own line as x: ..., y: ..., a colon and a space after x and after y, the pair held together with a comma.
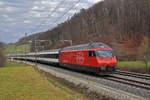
x: 32, y: 16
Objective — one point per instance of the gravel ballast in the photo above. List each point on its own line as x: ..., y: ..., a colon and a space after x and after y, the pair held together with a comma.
x: 97, y: 84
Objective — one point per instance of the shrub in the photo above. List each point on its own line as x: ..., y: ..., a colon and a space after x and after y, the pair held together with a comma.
x: 2, y: 56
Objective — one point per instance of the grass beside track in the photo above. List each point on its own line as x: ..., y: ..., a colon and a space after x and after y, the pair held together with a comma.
x: 20, y: 82
x: 132, y: 64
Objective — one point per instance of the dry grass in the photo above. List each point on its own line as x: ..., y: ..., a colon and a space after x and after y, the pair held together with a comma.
x: 18, y: 82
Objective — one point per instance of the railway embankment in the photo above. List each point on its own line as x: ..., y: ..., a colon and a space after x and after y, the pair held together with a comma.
x: 97, y: 84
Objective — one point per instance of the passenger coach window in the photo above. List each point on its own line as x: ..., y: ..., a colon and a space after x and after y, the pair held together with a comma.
x: 92, y: 53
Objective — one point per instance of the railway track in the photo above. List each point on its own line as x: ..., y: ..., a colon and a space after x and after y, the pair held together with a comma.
x: 133, y: 74
x: 135, y: 83
x: 130, y: 80
x: 128, y: 86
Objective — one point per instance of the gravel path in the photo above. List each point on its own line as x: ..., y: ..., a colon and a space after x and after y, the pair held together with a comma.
x: 99, y: 84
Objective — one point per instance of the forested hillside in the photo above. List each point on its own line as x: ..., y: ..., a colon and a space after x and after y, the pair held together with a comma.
x: 122, y: 24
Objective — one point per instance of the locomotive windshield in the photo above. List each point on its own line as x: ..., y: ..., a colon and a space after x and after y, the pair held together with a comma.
x: 104, y: 53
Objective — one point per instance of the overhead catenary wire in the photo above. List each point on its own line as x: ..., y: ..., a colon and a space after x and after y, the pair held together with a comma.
x: 35, y: 38
x: 51, y: 13
x: 60, y: 17
x: 65, y: 12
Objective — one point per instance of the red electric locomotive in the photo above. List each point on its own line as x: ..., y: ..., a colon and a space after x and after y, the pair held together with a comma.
x: 93, y: 57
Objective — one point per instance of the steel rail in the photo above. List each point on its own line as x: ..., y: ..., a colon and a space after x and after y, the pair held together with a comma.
x: 135, y: 83
x: 126, y: 81
x: 133, y: 74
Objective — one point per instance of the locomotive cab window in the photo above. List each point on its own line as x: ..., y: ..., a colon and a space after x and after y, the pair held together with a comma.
x: 105, y: 53
x: 92, y: 54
